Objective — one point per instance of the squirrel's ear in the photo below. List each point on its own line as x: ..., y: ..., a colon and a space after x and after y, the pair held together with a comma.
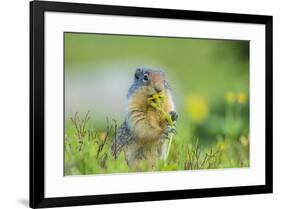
x: 137, y: 73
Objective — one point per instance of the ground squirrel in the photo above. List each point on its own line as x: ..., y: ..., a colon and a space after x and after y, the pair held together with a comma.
x: 144, y: 134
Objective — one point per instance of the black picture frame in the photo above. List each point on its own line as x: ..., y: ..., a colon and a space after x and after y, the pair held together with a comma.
x: 37, y: 115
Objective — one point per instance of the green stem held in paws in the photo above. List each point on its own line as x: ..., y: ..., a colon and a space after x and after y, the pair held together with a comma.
x: 156, y: 101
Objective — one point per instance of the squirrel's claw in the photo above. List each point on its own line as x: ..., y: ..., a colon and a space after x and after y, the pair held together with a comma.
x: 169, y: 130
x: 174, y: 115
x: 174, y: 130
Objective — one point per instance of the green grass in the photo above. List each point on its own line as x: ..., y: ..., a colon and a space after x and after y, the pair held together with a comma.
x: 87, y: 148
x: 210, y: 81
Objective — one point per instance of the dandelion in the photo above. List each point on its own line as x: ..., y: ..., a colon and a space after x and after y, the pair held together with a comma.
x: 244, y: 141
x: 197, y: 108
x: 156, y: 101
x: 241, y: 98
x: 221, y: 146
x: 103, y: 135
x: 229, y: 97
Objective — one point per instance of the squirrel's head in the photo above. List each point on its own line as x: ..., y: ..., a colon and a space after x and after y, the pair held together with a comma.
x: 153, y: 81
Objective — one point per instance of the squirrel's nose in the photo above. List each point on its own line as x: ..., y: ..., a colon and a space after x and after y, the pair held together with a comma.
x: 158, y: 88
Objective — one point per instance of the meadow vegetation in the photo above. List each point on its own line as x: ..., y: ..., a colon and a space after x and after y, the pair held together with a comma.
x: 87, y: 149
x: 210, y: 85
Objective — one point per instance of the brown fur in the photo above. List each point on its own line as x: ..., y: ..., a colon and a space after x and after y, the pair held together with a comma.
x: 143, y: 135
x: 147, y: 123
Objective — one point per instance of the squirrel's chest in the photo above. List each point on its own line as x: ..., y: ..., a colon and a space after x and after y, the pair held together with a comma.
x: 155, y: 118
x: 142, y: 114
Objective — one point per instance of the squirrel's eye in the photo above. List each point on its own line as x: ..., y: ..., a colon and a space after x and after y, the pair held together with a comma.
x: 145, y: 77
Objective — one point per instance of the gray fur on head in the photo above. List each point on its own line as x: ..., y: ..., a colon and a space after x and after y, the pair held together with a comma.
x: 139, y: 79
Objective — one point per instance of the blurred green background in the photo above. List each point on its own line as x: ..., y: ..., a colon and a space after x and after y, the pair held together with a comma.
x: 210, y: 82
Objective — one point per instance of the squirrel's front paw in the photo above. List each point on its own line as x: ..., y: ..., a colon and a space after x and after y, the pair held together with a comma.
x: 169, y: 130
x: 174, y: 115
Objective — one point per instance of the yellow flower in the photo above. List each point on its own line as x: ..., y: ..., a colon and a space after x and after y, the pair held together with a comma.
x: 196, y: 108
x: 221, y: 146
x: 229, y: 97
x: 244, y: 141
x: 102, y: 135
x: 241, y: 98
